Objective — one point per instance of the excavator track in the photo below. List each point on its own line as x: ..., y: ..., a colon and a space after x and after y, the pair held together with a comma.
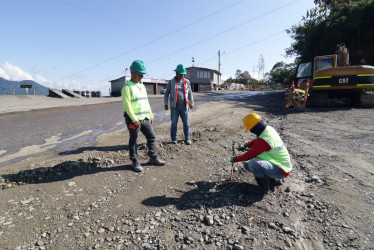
x: 367, y: 99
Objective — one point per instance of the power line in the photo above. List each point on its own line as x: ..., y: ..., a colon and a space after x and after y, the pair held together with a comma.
x: 101, y: 16
x: 225, y: 31
x: 199, y: 42
x: 227, y: 52
x: 149, y: 42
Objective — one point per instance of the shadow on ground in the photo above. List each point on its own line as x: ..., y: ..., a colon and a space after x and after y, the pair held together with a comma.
x: 210, y: 195
x: 60, y: 172
x: 104, y: 149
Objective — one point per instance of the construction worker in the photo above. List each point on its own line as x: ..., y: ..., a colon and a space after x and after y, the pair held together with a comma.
x: 138, y: 116
x: 181, y: 100
x: 267, y: 157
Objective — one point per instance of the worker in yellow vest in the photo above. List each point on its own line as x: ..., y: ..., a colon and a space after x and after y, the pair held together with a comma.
x: 267, y: 157
x: 138, y: 116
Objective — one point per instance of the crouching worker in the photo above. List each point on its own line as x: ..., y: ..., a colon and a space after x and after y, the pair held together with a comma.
x: 267, y: 157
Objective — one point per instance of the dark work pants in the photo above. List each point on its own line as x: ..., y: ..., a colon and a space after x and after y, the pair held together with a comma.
x: 147, y: 130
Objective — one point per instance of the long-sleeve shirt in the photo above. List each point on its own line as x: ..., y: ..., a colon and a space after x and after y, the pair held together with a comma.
x: 126, y: 101
x: 172, y: 93
x: 256, y: 147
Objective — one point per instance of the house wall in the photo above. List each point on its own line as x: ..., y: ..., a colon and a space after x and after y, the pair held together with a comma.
x: 201, y: 80
x: 117, y: 85
x: 153, y: 86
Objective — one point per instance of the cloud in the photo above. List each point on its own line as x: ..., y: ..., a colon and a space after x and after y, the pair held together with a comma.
x: 13, y: 73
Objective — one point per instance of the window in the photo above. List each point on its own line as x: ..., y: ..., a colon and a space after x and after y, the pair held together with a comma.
x: 325, y: 63
x: 304, y: 70
x: 203, y: 74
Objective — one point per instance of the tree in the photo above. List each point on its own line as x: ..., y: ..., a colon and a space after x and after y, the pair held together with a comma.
x: 261, y: 67
x: 333, y: 22
x: 237, y: 74
x: 281, y: 73
x: 242, y: 77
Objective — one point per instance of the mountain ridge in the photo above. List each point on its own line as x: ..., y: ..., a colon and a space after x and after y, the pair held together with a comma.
x: 8, y: 87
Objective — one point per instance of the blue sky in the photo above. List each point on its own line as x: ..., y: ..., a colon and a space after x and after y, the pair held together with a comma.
x: 81, y: 44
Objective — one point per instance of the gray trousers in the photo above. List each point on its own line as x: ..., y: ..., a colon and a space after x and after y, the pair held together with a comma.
x: 147, y: 129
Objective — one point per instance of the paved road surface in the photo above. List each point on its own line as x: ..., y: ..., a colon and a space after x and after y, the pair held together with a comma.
x: 59, y: 129
x: 33, y: 129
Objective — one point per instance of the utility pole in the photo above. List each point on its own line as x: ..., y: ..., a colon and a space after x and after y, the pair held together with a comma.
x: 219, y: 66
x: 219, y: 61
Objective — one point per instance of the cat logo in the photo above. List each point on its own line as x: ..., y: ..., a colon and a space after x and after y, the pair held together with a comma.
x: 343, y: 80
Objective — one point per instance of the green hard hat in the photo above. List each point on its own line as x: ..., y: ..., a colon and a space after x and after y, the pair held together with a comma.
x: 139, y: 67
x: 180, y: 69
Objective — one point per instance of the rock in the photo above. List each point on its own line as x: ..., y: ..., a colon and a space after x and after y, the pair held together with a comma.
x: 272, y: 225
x: 107, y: 225
x: 71, y: 184
x: 238, y: 247
x: 26, y: 202
x: 287, y: 230
x: 40, y: 243
x: 245, y: 230
x: 209, y: 220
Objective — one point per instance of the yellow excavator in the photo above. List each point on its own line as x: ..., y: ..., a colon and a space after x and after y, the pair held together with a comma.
x: 333, y: 81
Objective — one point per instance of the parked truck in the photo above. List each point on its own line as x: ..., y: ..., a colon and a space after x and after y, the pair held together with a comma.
x: 332, y: 80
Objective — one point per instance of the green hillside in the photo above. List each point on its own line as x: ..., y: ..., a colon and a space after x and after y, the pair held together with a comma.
x: 9, y: 87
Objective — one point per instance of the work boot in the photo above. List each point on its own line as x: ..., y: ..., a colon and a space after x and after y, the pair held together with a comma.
x: 263, y: 184
x: 174, y: 142
x: 188, y: 142
x: 137, y: 167
x: 156, y: 161
x: 274, y: 183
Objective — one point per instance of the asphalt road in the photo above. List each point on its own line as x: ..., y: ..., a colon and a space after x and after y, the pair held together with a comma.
x: 61, y: 129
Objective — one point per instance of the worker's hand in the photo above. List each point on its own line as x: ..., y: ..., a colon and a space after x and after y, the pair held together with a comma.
x: 137, y: 124
x: 166, y: 107
x: 243, y: 147
x: 191, y: 105
x: 151, y: 120
x: 233, y: 159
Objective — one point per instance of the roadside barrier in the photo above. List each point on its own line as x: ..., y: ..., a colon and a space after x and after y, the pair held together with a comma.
x: 296, y: 97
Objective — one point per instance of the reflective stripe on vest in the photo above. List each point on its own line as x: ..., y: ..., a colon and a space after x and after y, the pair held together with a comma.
x: 139, y: 100
x: 278, y: 155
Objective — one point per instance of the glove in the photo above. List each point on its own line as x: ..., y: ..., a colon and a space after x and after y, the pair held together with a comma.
x: 243, y: 147
x: 232, y: 159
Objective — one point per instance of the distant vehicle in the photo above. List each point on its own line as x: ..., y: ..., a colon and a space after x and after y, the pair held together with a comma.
x: 162, y: 91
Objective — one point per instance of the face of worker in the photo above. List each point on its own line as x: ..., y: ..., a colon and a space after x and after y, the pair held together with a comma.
x: 136, y: 77
x: 179, y: 77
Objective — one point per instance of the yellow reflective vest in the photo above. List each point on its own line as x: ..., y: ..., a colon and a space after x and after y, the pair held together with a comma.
x: 278, y: 154
x: 135, y: 101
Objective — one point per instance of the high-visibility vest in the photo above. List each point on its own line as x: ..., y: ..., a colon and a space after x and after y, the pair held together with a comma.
x: 139, y: 100
x: 278, y: 154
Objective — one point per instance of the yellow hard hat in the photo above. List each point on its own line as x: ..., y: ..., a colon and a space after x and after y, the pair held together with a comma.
x: 250, y: 121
